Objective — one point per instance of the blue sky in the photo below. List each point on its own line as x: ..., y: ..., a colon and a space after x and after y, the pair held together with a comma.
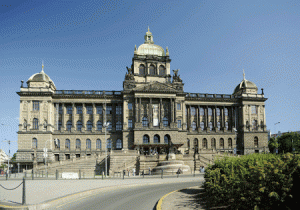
x: 88, y: 44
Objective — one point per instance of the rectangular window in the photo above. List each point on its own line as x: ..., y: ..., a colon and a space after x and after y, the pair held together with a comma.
x: 129, y: 123
x: 35, y: 105
x: 130, y: 106
x: 108, y: 109
x: 69, y: 109
x: 179, y: 123
x: 119, y: 110
x: 253, y: 110
x: 178, y: 106
x: 99, y: 109
x: 193, y: 111
x: 79, y: 109
x: 89, y: 109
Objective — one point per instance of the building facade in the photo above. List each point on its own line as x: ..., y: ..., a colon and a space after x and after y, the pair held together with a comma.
x: 151, y: 114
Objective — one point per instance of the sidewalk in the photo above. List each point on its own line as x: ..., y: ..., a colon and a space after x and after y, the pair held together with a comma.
x: 185, y: 199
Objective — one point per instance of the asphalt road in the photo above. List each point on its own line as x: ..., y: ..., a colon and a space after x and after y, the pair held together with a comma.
x: 127, y: 198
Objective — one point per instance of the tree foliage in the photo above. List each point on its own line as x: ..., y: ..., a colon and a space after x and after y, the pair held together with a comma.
x: 272, y: 144
x: 288, y: 141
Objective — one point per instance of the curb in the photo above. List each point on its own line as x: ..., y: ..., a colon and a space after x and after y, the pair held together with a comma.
x: 69, y: 198
x: 158, y: 206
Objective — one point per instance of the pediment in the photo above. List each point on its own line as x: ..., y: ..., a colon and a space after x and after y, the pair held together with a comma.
x: 156, y: 86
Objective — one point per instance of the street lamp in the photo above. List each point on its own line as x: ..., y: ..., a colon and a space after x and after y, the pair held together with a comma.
x: 235, y: 131
x: 8, y: 141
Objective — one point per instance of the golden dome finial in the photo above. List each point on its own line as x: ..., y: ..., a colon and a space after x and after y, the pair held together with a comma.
x: 42, y: 66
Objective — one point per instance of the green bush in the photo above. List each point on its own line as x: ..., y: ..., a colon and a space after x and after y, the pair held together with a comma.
x: 257, y: 181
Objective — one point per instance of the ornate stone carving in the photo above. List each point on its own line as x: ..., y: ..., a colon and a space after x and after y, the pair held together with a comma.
x: 176, y: 77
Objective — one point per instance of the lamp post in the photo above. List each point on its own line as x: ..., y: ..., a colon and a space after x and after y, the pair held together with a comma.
x: 8, y: 141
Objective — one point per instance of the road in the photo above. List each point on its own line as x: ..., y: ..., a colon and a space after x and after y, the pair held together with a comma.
x: 127, y: 198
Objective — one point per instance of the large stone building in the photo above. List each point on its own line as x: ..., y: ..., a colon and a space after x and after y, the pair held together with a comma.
x: 151, y: 114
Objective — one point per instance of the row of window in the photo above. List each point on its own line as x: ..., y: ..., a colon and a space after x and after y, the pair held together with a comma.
x: 89, y: 109
x: 78, y: 144
x: 89, y: 125
x: 156, y: 139
x: 152, y: 70
x: 209, y: 111
x: 213, y: 142
x: 210, y: 125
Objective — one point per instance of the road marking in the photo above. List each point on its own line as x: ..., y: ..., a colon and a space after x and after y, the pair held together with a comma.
x: 158, y: 206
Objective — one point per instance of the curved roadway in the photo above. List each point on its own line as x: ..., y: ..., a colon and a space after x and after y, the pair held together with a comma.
x: 142, y: 197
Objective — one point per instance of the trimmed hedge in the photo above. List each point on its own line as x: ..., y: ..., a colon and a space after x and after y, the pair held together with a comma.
x: 256, y: 181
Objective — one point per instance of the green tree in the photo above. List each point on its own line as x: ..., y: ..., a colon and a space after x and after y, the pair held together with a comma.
x: 288, y: 141
x: 14, y: 157
x: 273, y: 144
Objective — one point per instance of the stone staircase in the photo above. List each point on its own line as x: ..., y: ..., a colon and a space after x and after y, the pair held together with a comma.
x: 122, y: 161
x: 87, y: 165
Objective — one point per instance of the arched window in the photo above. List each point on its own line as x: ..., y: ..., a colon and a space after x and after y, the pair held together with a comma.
x: 142, y: 70
x: 201, y: 111
x: 145, y: 122
x: 108, y: 145
x: 119, y: 126
x: 99, y: 125
x: 210, y: 125
x: 109, y: 126
x: 213, y: 143
x: 35, y: 124
x: 59, y: 125
x: 79, y: 125
x: 204, y: 143
x: 57, y: 144
x: 69, y: 125
x: 255, y: 141
x: 188, y: 144
x: 254, y: 124
x: 218, y: 125
x: 89, y: 125
x: 88, y: 144
x: 202, y: 125
x: 226, y: 125
x: 194, y: 126
x: 67, y: 144
x: 119, y: 144
x: 34, y: 143
x: 156, y: 139
x: 229, y: 142
x: 78, y: 144
x: 165, y: 122
x: 196, y: 144
x: 145, y: 139
x: 167, y: 139
x: 222, y: 143
x: 162, y: 71
x: 152, y: 70
x: 98, y: 144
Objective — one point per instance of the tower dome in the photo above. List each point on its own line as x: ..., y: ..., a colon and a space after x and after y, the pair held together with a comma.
x: 245, y: 86
x: 149, y: 48
x: 41, y: 80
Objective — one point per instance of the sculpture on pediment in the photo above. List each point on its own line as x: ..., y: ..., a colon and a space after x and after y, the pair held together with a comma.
x: 176, y: 77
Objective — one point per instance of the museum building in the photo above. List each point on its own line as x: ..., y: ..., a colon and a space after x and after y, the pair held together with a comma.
x: 152, y: 114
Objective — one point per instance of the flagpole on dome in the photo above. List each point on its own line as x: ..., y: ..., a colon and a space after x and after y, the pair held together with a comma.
x: 42, y: 67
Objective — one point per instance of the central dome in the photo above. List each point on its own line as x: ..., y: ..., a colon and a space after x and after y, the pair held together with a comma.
x: 149, y: 48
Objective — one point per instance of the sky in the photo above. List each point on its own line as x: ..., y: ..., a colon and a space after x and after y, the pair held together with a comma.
x: 87, y: 44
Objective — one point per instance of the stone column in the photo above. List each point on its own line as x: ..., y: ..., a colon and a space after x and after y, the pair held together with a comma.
x: 197, y: 117
x: 250, y: 121
x: 56, y: 115
x: 150, y: 112
x: 140, y: 109
x: 160, y: 114
x: 73, y: 117
x: 136, y: 110
x: 94, y: 117
x: 223, y: 119
x: 206, y: 117
x: 171, y: 109
x: 258, y: 118
x: 264, y: 117
x: 83, y: 116
x: 103, y: 115
x: 232, y: 124
x: 63, y: 113
x: 214, y: 117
